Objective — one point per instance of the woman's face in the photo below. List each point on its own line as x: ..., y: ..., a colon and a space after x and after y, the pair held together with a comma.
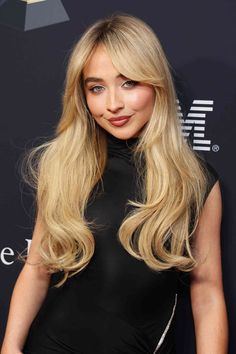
x: 110, y: 95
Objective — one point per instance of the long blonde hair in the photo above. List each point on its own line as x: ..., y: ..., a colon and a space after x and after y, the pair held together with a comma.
x: 65, y: 169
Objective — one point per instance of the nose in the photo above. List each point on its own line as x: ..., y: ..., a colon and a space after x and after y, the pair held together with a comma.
x: 114, y: 101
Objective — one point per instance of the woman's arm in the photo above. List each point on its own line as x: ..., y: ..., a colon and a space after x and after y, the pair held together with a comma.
x: 207, y: 297
x: 28, y: 294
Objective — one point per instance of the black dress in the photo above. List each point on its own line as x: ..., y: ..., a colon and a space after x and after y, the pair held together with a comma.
x: 116, y: 305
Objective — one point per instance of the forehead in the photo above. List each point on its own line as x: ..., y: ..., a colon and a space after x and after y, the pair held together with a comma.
x: 99, y: 62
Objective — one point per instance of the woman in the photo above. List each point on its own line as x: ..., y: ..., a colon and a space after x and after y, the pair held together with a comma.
x: 124, y: 207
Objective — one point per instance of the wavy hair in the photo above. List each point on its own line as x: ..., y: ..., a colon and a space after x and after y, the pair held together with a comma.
x: 65, y: 169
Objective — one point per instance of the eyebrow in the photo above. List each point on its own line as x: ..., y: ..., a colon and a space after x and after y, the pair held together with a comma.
x: 99, y: 79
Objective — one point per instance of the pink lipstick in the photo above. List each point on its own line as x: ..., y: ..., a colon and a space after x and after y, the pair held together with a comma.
x: 119, y: 121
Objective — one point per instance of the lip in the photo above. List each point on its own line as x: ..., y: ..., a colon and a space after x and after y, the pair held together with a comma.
x: 118, y: 118
x: 119, y: 121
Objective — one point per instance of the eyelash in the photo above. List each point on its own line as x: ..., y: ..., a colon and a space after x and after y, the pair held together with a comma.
x: 92, y: 88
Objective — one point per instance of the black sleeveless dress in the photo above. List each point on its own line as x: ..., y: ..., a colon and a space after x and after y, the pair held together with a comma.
x: 116, y: 305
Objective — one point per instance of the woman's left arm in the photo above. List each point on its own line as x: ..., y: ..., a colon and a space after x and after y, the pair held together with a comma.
x: 207, y: 296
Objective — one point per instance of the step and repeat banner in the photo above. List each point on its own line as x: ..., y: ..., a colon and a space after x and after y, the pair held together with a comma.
x: 36, y: 37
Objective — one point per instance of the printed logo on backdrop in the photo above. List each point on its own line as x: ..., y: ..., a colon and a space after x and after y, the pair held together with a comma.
x: 8, y: 255
x: 195, y: 124
x: 26, y: 15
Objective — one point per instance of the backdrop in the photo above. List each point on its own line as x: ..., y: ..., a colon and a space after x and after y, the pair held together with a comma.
x: 36, y: 38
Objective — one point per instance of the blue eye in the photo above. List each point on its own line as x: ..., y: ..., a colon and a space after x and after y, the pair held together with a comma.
x: 131, y: 83
x: 94, y: 89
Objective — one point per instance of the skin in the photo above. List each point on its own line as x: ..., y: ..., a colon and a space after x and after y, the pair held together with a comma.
x: 207, y: 295
x: 110, y: 95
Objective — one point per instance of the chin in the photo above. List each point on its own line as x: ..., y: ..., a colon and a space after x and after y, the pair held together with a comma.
x: 124, y: 136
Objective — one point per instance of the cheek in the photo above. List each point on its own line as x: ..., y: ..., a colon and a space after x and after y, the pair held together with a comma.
x: 95, y: 105
x: 142, y: 100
